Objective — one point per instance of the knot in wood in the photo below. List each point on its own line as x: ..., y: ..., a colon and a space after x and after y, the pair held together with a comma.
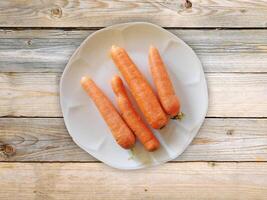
x: 29, y: 42
x: 211, y: 164
x: 187, y: 4
x: 56, y: 12
x: 7, y: 150
x: 230, y: 132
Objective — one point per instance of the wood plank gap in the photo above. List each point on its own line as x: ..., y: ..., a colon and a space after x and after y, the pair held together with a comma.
x: 29, y: 117
x: 59, y: 117
x: 47, y: 72
x: 101, y: 27
x: 170, y: 162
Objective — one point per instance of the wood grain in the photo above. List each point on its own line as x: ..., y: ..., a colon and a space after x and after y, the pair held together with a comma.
x: 46, y: 139
x: 31, y: 63
x: 50, y: 50
x: 167, y: 13
x: 29, y: 94
x: 36, y: 95
x: 95, y: 181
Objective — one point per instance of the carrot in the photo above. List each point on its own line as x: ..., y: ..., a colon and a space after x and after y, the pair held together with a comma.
x: 121, y: 132
x: 140, y: 89
x: 167, y: 97
x: 131, y: 117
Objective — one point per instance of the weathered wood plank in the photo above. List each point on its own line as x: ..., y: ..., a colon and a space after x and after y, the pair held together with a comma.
x: 46, y: 139
x: 29, y: 94
x: 50, y: 50
x: 36, y: 94
x: 95, y: 181
x: 167, y: 13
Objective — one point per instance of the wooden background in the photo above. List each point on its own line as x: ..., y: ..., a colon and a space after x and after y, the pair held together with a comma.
x: 39, y: 160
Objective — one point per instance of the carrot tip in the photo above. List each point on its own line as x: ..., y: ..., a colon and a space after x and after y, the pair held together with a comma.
x: 84, y: 79
x: 114, y: 47
x: 132, y: 154
x: 116, y: 77
x: 179, y: 116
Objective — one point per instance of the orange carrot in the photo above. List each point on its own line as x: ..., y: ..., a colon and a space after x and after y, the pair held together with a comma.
x: 121, y: 132
x: 131, y: 117
x: 140, y: 89
x: 167, y: 97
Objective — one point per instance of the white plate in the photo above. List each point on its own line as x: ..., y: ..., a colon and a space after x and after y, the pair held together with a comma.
x: 85, y: 124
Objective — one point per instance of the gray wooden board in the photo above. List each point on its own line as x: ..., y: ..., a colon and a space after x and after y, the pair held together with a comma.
x: 95, y: 181
x: 46, y: 139
x: 37, y: 94
x: 50, y: 50
x: 167, y: 13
